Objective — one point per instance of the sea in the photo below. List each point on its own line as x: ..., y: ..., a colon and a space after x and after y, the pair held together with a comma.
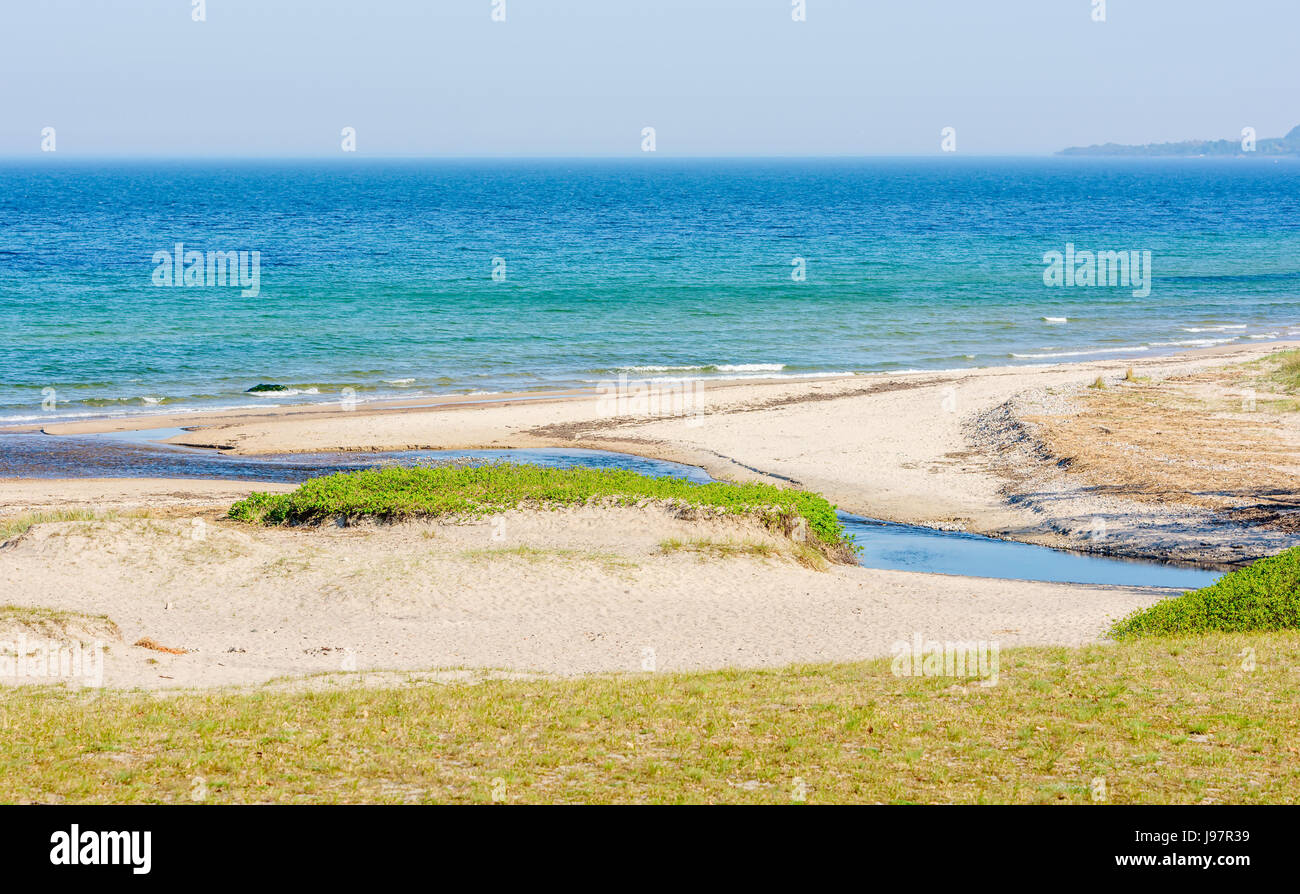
x: 366, y: 279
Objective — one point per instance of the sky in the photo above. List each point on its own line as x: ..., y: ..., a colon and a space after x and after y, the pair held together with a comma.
x: 282, y: 78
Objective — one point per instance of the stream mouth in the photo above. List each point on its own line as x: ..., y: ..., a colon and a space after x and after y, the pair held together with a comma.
x: 881, y: 544
x: 900, y: 547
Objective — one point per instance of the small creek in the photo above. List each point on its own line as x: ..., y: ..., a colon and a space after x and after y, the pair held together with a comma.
x: 887, y: 545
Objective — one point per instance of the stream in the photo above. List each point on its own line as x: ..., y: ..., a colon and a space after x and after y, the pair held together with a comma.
x: 881, y: 544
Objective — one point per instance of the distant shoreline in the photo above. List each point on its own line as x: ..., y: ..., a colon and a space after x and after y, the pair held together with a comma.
x: 1249, y: 145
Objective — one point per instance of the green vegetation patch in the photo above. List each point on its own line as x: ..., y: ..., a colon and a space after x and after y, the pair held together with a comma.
x: 1262, y: 597
x: 1162, y: 721
x: 722, y: 549
x: 410, y: 492
x: 53, y: 623
x: 16, y: 526
x: 1287, y: 371
x: 805, y: 555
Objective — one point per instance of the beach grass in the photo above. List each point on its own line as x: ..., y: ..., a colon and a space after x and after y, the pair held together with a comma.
x: 609, y: 561
x: 708, y: 548
x: 1149, y: 721
x: 39, y: 618
x: 1286, y: 371
x: 1263, y: 596
x: 397, y: 492
x: 1277, y: 373
x: 18, y: 525
x: 718, y: 549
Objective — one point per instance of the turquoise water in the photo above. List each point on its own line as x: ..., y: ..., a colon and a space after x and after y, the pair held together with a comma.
x: 378, y: 276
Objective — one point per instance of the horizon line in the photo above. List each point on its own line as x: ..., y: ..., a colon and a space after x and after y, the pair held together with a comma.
x: 349, y: 158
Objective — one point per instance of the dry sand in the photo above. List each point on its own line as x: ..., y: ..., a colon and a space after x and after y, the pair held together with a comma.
x: 944, y: 449
x: 591, y: 591
x: 161, y: 496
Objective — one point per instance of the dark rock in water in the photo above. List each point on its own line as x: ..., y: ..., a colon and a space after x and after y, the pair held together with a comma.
x: 267, y: 388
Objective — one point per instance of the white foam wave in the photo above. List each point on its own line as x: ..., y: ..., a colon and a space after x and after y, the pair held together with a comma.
x: 664, y: 380
x: 709, y: 367
x: 913, y: 372
x: 1191, y: 343
x: 1055, y: 354
x: 653, y: 368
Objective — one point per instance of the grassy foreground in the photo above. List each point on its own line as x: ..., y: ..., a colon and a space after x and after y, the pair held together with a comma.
x: 401, y: 492
x: 1209, y: 719
x: 1263, y: 596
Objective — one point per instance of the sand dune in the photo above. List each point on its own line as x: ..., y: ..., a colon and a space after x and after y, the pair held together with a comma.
x: 585, y: 590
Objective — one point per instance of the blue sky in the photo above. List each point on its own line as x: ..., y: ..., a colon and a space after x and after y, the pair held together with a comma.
x: 582, y: 77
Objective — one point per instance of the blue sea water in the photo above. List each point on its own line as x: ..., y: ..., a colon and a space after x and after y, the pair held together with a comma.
x: 378, y: 276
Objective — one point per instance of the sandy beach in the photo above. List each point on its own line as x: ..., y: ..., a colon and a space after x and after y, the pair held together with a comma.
x: 593, y: 590
x: 959, y: 450
x: 653, y: 403
x: 559, y: 593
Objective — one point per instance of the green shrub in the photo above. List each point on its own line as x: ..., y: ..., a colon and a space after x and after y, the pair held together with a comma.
x: 403, y: 492
x: 1263, y: 596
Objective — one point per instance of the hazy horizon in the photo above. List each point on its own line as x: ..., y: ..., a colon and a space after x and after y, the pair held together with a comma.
x: 580, y: 79
x: 67, y: 158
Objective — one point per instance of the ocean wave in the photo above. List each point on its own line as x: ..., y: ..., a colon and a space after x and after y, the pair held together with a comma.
x: 657, y: 368
x: 750, y: 367
x: 52, y: 418
x: 142, y: 400
x: 708, y: 367
x: 1224, y: 328
x: 1055, y: 354
x: 58, y: 417
x: 1191, y: 343
x: 935, y: 370
x: 664, y: 380
x: 398, y: 381
x: 1056, y: 319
